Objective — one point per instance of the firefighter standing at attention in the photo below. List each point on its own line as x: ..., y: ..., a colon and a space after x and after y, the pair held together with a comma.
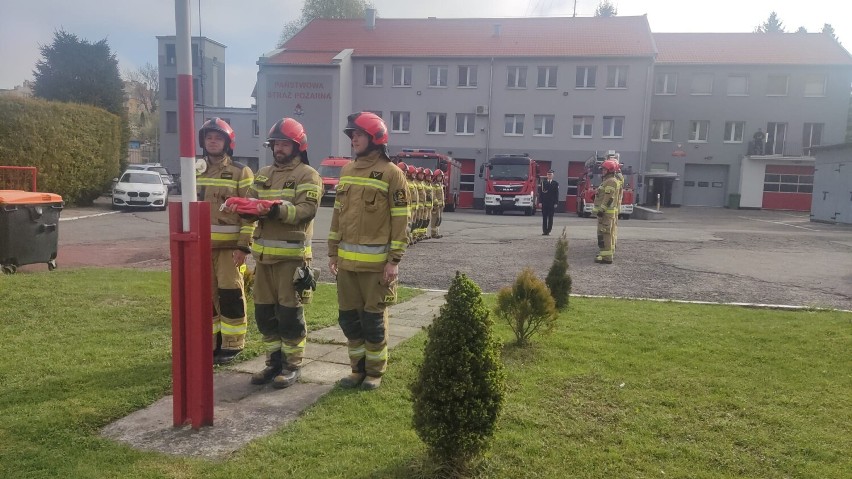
x: 218, y: 178
x: 365, y: 246
x: 606, y: 209
x: 282, y: 248
x: 437, y: 202
x: 413, y: 204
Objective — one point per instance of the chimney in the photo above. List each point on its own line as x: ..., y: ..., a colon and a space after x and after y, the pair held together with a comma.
x: 496, y: 29
x: 370, y: 17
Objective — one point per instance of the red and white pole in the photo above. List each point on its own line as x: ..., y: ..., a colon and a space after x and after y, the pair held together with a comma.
x: 189, y: 228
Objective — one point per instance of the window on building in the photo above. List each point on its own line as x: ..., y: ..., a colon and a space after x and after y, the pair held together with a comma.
x: 171, y: 122
x: 197, y: 94
x: 517, y: 77
x: 400, y: 121
x: 467, y: 181
x: 776, y: 85
x: 734, y: 131
x: 583, y: 126
x: 196, y: 59
x: 437, y: 123
x: 698, y: 130
x: 702, y: 84
x: 402, y: 75
x: 613, y: 127
x: 661, y: 130
x: 778, y: 179
x: 616, y: 76
x: 438, y: 75
x: 171, y: 88
x: 171, y: 56
x: 811, y: 136
x: 467, y: 76
x: 465, y: 123
x: 255, y: 128
x: 543, y: 125
x: 585, y: 77
x: 373, y: 75
x: 546, y: 77
x: 514, y: 125
x: 815, y: 85
x: 665, y: 84
x: 737, y: 85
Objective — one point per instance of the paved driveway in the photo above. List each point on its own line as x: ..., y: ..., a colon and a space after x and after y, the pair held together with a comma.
x: 708, y: 254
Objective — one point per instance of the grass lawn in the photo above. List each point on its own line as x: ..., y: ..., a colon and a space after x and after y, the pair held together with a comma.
x: 620, y: 389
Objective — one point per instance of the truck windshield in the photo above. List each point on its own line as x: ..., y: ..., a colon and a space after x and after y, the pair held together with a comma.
x: 327, y: 171
x: 430, y: 163
x: 510, y: 172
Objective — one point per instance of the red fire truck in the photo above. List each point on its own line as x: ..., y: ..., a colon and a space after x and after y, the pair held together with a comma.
x: 510, y: 184
x: 329, y: 170
x: 428, y: 158
x: 591, y: 179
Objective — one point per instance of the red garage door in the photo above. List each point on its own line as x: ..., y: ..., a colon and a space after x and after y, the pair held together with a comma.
x: 788, y: 187
x: 468, y: 176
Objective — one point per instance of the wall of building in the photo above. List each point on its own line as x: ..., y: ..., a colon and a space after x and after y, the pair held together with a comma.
x: 832, y: 197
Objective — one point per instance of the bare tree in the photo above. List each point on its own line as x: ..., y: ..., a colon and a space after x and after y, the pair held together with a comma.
x: 324, y: 9
x: 606, y: 9
x: 143, y: 91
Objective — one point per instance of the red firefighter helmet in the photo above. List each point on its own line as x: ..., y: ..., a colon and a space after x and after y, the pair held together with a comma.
x: 412, y: 171
x: 420, y: 172
x: 369, y: 123
x: 438, y: 175
x: 402, y: 166
x: 427, y: 173
x: 288, y: 129
x: 220, y: 125
x: 610, y: 165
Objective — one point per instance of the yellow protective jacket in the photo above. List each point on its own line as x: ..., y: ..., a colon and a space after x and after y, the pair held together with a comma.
x: 413, y: 200
x: 368, y: 224
x: 286, y: 233
x: 218, y: 183
x: 606, y: 199
x: 437, y: 196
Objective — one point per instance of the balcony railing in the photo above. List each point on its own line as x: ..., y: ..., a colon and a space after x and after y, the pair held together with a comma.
x: 787, y: 148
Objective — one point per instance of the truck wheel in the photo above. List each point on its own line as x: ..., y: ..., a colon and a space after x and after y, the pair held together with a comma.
x: 625, y: 217
x: 529, y: 211
x: 488, y: 211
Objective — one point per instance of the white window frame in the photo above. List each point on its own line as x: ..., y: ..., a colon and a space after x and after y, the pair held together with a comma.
x: 808, y: 130
x: 696, y: 78
x: 745, y: 82
x: 698, y: 131
x: 378, y: 73
x: 609, y: 131
x: 586, y: 84
x: 517, y: 124
x: 660, y: 129
x: 616, y: 77
x: 402, y: 76
x: 550, y: 77
x: 669, y: 86
x: 439, y: 120
x: 465, y: 124
x: 586, y: 124
x: 814, y: 80
x: 543, y: 125
x: 442, y: 73
x: 769, y: 84
x: 470, y: 80
x: 255, y: 128
x: 400, y: 122
x: 519, y: 75
x: 734, y: 132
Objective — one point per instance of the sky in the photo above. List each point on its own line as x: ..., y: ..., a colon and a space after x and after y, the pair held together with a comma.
x: 251, y: 28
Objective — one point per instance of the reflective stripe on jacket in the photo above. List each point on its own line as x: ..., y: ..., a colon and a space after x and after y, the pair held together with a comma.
x: 220, y: 182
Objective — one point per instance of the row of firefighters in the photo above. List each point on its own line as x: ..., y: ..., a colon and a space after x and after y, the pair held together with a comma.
x: 426, y: 202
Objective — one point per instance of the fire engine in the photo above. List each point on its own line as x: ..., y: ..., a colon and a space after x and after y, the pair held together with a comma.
x: 329, y: 170
x: 591, y: 179
x: 510, y: 184
x: 428, y: 158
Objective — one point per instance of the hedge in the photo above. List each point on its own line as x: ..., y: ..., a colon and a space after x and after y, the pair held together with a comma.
x: 75, y: 147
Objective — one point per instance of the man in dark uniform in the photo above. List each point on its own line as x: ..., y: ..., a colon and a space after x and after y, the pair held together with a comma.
x: 548, y: 193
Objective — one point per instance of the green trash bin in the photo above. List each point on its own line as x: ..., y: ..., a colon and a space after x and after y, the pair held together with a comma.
x: 734, y: 201
x: 29, y: 229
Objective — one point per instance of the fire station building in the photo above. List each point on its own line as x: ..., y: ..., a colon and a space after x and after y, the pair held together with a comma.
x: 718, y: 119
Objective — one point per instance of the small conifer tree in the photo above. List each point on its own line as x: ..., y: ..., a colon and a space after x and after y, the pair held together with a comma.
x: 558, y: 280
x: 458, y: 392
x: 526, y: 306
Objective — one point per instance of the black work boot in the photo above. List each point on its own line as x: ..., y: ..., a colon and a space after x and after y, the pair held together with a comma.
x: 286, y: 378
x: 274, y: 365
x: 226, y: 356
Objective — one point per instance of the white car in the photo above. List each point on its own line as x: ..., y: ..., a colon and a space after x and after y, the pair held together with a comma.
x: 168, y: 180
x: 139, y: 189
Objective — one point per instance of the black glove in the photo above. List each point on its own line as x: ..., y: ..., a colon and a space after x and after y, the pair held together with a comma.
x: 305, y: 278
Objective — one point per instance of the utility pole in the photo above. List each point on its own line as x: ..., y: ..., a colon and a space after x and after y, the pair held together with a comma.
x: 575, y: 8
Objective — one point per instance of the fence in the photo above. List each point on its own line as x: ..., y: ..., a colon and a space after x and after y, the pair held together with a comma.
x: 18, y: 178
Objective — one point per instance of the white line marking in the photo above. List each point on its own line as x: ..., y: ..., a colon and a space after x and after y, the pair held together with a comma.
x: 89, y: 216
x: 778, y: 223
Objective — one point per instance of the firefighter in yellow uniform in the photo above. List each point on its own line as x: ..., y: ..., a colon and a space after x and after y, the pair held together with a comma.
x: 404, y: 169
x: 365, y: 245
x: 606, y: 209
x: 414, y: 202
x: 281, y: 248
x: 618, y: 196
x: 218, y: 178
x: 421, y: 204
x: 437, y: 202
